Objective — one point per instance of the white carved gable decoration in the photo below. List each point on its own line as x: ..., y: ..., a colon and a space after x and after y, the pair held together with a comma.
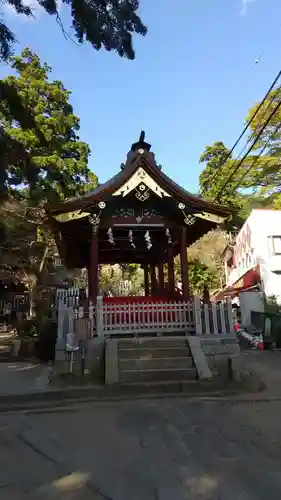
x: 210, y: 217
x: 142, y: 182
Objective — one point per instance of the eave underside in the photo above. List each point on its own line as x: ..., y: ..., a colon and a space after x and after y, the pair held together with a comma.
x: 138, y: 199
x: 75, y: 237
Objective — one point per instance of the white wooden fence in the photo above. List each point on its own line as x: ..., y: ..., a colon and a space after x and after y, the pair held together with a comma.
x: 147, y: 317
x: 155, y: 318
x: 17, y: 303
x: 67, y: 297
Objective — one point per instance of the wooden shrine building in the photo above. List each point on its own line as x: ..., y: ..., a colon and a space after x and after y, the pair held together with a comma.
x: 138, y: 216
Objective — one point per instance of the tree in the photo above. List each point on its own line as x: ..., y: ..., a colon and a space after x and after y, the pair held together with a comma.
x: 216, y: 185
x: 23, y: 255
x: 218, y: 163
x: 259, y: 173
x: 102, y: 23
x: 42, y: 160
x: 265, y: 175
x: 124, y: 277
x: 49, y: 159
x: 199, y: 275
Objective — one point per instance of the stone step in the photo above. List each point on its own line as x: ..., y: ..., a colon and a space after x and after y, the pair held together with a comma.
x: 156, y: 352
x: 181, y: 374
x: 153, y: 342
x: 170, y: 387
x: 155, y: 363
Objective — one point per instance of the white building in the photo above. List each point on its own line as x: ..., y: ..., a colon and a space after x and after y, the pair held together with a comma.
x: 253, y: 261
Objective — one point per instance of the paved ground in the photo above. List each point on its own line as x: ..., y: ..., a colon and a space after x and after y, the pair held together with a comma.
x: 23, y: 377
x: 267, y: 364
x: 143, y: 450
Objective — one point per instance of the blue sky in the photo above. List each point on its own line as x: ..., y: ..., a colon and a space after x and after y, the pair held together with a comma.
x: 193, y: 80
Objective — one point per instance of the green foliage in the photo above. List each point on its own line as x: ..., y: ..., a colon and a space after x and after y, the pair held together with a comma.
x: 218, y: 164
x: 249, y: 188
x: 22, y: 255
x: 199, y: 275
x: 126, y: 276
x: 42, y: 159
x: 49, y: 160
x: 266, y: 174
x: 256, y: 181
x: 27, y: 328
x: 103, y: 23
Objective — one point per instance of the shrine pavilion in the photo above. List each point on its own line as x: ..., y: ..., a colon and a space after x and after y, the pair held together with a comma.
x: 141, y: 216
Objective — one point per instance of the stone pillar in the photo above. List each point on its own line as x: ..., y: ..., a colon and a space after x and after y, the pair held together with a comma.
x: 161, y: 278
x: 153, y: 279
x: 184, y: 264
x: 94, y: 266
x: 171, y: 271
x: 146, y: 280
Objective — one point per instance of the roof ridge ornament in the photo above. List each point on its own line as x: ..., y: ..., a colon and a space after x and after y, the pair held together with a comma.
x: 139, y: 149
x: 141, y: 146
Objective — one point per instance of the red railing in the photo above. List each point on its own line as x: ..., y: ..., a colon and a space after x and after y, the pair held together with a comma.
x: 144, y: 311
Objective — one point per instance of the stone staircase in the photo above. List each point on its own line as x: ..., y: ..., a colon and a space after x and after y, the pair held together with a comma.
x: 155, y: 360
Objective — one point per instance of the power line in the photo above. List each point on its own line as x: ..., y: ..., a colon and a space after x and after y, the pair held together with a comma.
x: 244, y: 131
x: 277, y: 128
x: 249, y: 150
x: 253, y: 134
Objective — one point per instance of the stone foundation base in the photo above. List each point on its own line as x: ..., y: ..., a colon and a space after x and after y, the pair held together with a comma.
x: 222, y: 353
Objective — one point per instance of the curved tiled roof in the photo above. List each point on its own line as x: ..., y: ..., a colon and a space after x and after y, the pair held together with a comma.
x: 147, y: 162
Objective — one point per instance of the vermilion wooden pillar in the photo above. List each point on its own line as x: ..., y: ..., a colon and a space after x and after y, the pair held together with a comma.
x: 146, y: 280
x: 89, y: 282
x: 184, y: 264
x: 161, y: 277
x: 94, y: 267
x: 153, y: 279
x: 171, y: 271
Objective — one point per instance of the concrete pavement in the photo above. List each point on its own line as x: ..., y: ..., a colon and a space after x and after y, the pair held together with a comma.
x: 23, y: 377
x: 28, y: 383
x: 143, y: 450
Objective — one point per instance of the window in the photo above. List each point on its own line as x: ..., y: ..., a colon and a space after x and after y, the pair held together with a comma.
x: 276, y: 245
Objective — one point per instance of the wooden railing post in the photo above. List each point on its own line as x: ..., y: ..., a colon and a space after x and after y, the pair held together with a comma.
x: 222, y: 316
x: 206, y: 318
x: 215, y: 319
x: 99, y: 316
x: 61, y: 313
x: 197, y: 315
x: 230, y: 315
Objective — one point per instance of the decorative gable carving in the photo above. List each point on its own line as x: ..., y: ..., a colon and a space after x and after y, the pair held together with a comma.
x: 139, y: 179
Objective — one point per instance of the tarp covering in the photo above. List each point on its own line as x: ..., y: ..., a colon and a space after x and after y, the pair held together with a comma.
x: 248, y: 281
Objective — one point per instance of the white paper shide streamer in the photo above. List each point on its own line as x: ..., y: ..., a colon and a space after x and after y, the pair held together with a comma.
x: 148, y: 240
x: 131, y: 239
x: 110, y: 236
x: 168, y: 234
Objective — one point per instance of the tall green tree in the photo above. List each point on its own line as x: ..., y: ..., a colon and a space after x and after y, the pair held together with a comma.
x: 218, y: 163
x: 264, y: 177
x: 42, y: 159
x: 242, y: 192
x: 102, y: 23
x: 199, y: 275
x: 256, y: 180
x: 48, y: 158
